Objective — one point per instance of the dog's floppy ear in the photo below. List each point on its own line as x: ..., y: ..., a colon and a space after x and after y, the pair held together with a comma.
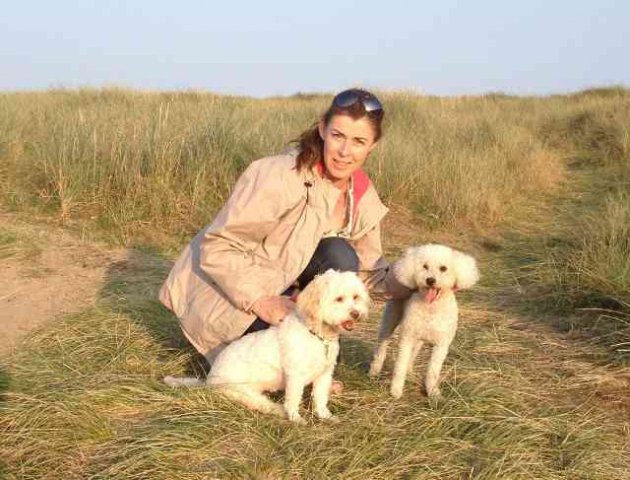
x: 309, y: 302
x: 466, y: 273
x: 405, y: 268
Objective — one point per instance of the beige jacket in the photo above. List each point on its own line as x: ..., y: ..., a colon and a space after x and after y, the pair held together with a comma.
x: 258, y: 245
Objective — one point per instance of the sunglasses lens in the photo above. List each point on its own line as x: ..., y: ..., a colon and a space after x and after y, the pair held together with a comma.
x: 350, y: 97
x: 372, y: 104
x: 345, y: 99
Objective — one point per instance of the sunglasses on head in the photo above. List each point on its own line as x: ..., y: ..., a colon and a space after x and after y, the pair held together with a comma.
x: 348, y: 98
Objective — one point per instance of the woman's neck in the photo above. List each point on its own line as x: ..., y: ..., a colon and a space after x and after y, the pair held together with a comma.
x: 341, y: 184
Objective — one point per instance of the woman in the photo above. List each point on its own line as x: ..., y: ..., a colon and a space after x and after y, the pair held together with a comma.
x: 288, y: 218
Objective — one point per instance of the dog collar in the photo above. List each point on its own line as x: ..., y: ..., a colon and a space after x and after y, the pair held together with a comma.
x: 327, y: 342
x: 324, y: 340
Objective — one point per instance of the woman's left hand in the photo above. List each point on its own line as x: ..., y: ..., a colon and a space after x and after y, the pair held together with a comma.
x: 273, y: 309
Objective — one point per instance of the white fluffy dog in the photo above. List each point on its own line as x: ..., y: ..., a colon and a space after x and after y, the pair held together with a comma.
x: 299, y: 351
x: 434, y: 272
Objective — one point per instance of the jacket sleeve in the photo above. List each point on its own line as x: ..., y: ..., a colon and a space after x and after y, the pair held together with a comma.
x: 374, y: 270
x: 259, y: 199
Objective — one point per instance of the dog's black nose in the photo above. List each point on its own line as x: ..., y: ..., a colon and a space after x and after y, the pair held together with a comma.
x: 430, y: 281
x: 355, y: 314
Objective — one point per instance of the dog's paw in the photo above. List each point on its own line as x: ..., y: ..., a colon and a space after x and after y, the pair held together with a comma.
x: 331, y: 419
x: 434, y: 392
x: 374, y: 371
x: 175, y: 382
x: 298, y: 420
x: 276, y: 410
x: 324, y: 414
x: 396, y: 391
x: 295, y: 418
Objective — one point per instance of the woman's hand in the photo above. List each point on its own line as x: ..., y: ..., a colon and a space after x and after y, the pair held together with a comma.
x: 273, y: 309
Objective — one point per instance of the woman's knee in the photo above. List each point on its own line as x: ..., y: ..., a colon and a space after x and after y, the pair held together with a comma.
x: 338, y: 254
x: 333, y: 252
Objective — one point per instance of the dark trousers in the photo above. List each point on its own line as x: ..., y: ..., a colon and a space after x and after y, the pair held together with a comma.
x: 331, y: 252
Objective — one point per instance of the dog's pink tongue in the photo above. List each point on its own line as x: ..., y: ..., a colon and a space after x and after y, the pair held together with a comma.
x: 348, y: 324
x: 431, y: 295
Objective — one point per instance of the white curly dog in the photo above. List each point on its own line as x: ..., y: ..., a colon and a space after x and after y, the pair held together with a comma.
x: 434, y: 272
x: 299, y: 351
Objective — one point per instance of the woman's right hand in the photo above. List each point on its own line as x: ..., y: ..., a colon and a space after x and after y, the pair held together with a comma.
x: 273, y: 309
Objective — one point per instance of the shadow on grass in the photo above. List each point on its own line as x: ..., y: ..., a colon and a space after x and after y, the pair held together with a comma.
x: 131, y: 288
x: 355, y: 355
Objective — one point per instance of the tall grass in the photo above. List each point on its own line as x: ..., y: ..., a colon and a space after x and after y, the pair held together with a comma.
x: 465, y: 161
x: 601, y: 259
x: 593, y: 271
x: 135, y: 163
x: 593, y: 275
x: 126, y: 161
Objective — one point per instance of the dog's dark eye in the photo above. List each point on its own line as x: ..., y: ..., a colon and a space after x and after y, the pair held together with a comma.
x: 356, y: 297
x: 443, y: 268
x: 425, y: 266
x: 339, y: 299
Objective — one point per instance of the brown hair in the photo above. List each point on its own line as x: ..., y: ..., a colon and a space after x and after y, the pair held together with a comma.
x: 310, y: 143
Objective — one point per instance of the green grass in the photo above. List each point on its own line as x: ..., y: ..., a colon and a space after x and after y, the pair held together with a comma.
x: 85, y: 401
x: 535, y: 385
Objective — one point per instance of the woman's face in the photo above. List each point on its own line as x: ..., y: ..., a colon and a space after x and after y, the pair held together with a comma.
x: 347, y: 143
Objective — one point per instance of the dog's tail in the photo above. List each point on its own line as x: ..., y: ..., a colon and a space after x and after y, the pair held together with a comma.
x: 190, y: 382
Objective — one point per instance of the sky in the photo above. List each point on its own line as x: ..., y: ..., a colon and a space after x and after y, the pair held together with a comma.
x: 282, y: 47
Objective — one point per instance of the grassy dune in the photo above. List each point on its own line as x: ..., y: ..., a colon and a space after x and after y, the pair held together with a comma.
x: 536, y: 188
x: 150, y: 169
x: 136, y: 163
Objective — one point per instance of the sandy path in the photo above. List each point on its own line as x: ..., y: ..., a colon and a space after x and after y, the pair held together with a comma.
x: 64, y: 276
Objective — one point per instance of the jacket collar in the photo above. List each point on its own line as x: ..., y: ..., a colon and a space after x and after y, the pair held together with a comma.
x: 360, y: 179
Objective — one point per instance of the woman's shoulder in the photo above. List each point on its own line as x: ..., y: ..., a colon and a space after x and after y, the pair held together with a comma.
x: 370, y: 208
x: 275, y: 172
x: 280, y: 162
x: 364, y: 190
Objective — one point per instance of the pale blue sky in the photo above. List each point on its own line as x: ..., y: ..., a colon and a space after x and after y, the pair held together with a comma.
x: 280, y: 47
